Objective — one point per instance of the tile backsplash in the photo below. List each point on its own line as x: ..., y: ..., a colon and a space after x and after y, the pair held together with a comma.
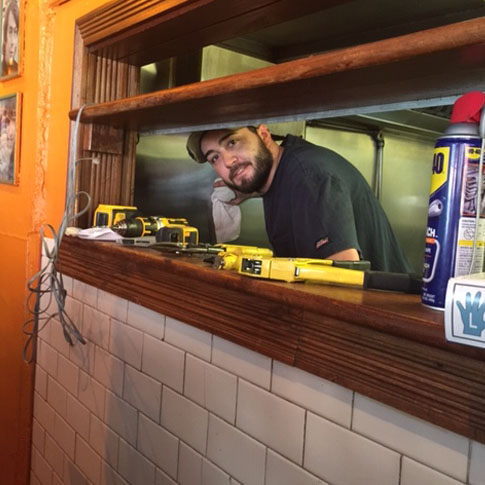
x: 150, y: 400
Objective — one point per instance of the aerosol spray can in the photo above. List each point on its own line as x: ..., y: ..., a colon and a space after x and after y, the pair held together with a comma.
x: 452, y: 223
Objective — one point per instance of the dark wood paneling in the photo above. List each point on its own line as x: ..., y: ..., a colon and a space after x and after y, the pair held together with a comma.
x: 384, y: 345
x: 141, y: 31
x: 111, y: 180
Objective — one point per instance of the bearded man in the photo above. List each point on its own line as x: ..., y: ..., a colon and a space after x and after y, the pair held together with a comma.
x: 316, y: 203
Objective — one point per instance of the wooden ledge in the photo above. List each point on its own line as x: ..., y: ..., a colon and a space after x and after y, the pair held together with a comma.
x: 384, y: 345
x: 400, y: 69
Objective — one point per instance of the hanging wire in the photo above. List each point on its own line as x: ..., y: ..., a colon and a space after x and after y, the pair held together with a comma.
x: 46, y: 288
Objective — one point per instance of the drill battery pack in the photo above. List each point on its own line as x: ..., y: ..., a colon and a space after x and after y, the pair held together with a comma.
x: 178, y: 233
x: 108, y: 215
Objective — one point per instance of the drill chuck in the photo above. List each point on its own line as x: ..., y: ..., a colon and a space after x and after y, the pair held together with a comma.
x: 138, y: 226
x: 128, y: 228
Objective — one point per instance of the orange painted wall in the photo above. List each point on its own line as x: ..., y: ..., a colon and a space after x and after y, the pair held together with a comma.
x: 45, y: 85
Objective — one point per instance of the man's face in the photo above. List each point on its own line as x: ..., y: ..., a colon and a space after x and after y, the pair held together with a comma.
x: 11, y: 42
x: 239, y: 157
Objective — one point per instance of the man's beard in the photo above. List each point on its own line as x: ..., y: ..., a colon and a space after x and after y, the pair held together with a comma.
x: 263, y: 161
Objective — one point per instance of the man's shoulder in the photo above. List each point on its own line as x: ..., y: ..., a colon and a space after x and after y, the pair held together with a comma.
x: 299, y: 148
x: 309, y: 159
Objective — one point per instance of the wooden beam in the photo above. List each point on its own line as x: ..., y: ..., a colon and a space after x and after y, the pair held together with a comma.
x: 438, y: 62
x: 364, y: 35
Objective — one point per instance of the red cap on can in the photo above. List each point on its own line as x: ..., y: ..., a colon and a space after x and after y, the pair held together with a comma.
x: 467, y: 108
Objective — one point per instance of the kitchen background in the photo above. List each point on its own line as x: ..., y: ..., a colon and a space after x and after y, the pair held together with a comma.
x: 393, y: 150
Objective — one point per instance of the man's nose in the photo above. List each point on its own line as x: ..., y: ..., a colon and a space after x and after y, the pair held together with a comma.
x: 229, y: 159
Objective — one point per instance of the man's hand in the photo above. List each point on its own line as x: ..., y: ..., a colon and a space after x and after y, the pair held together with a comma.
x: 239, y: 198
x: 345, y: 255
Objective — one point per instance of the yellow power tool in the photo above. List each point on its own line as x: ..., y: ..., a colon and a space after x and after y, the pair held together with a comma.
x: 164, y: 228
x: 229, y: 255
x: 346, y: 273
x: 108, y: 215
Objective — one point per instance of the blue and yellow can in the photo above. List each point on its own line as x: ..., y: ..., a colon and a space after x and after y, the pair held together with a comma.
x: 453, y: 201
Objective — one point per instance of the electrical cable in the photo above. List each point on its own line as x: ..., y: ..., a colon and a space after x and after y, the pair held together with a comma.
x: 47, y: 285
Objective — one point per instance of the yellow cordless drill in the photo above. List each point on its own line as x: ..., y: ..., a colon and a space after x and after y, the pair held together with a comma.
x: 108, y: 215
x: 164, y: 228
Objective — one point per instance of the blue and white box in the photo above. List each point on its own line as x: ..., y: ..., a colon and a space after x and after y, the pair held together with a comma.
x: 465, y: 310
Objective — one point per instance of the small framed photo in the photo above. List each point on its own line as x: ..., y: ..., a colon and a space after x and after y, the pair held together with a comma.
x: 10, y: 110
x: 10, y: 38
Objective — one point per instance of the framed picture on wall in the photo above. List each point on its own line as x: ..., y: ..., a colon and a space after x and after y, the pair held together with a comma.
x: 10, y: 38
x: 10, y: 110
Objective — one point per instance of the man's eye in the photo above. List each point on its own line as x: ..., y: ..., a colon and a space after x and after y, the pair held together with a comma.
x: 213, y: 159
x: 232, y: 142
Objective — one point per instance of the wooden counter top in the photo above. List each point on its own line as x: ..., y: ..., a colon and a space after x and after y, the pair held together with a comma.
x: 384, y: 345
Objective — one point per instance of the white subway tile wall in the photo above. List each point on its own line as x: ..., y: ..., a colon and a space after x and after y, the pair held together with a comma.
x: 185, y: 419
x: 477, y: 466
x: 79, y: 416
x: 212, y: 475
x: 57, y: 396
x: 425, y: 442
x: 271, y: 420
x: 192, y: 340
x: 54, y: 455
x: 339, y: 455
x: 162, y: 479
x: 190, y: 466
x: 309, y: 391
x: 67, y: 374
x: 146, y: 320
x: 150, y: 400
x: 103, y: 441
x: 41, y: 381
x: 57, y: 339
x: 235, y: 452
x: 280, y: 471
x: 38, y: 435
x: 142, y: 392
x: 134, y: 467
x: 121, y: 417
x: 413, y: 473
x: 245, y: 363
x: 211, y: 387
x: 88, y: 461
x: 109, y: 370
x: 96, y: 326
x: 158, y: 445
x: 85, y: 293
x: 163, y: 362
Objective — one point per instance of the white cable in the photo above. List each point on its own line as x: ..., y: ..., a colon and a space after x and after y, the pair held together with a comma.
x: 48, y: 281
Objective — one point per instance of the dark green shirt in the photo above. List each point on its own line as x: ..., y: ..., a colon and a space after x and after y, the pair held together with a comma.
x: 319, y: 204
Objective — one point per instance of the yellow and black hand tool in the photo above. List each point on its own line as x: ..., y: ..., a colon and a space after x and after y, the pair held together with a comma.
x: 108, y: 215
x: 346, y: 273
x: 167, y: 229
